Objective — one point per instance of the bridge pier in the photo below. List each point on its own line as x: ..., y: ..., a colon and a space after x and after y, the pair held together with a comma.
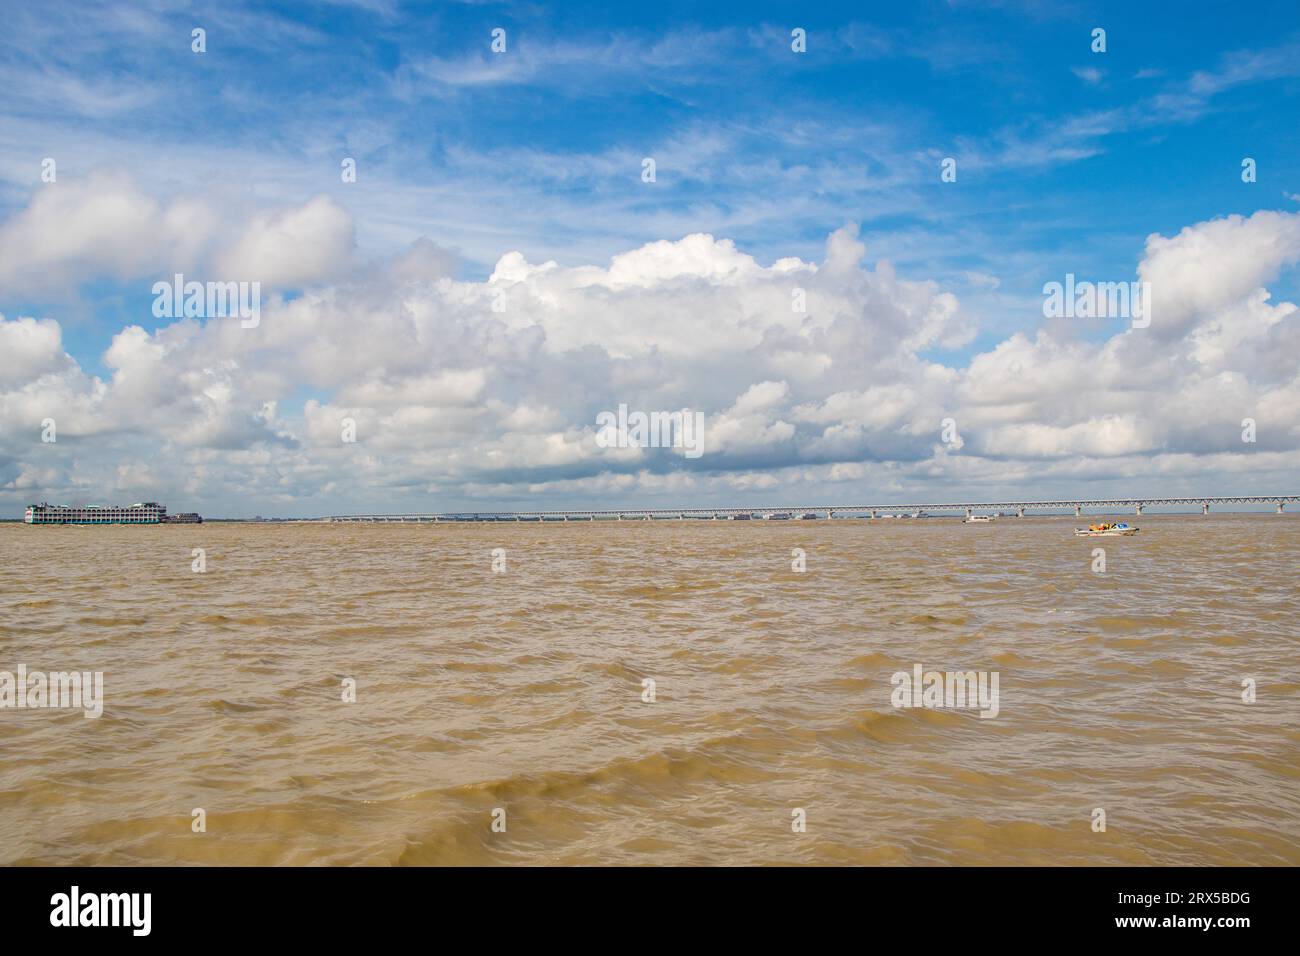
x: 1138, y: 509
x: 1205, y: 508
x: 1020, y: 512
x: 874, y: 513
x: 1078, y: 511
x: 1279, y: 507
x: 967, y: 512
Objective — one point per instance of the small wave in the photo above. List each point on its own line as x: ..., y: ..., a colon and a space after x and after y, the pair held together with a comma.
x: 872, y: 660
x: 231, y: 707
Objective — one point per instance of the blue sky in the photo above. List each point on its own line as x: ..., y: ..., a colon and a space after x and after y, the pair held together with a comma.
x: 1067, y: 159
x: 771, y: 149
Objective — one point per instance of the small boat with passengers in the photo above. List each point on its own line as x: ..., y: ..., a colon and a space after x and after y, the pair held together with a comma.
x: 1106, y: 530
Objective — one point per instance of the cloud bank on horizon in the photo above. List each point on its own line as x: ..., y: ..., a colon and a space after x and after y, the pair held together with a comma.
x: 853, y: 324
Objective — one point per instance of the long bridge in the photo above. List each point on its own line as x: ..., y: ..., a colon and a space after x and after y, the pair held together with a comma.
x: 969, y: 508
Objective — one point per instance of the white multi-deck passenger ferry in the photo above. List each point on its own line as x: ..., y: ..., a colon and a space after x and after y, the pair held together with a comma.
x: 144, y: 512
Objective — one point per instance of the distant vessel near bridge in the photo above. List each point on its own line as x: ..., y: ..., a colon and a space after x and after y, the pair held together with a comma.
x: 143, y: 512
x: 968, y: 508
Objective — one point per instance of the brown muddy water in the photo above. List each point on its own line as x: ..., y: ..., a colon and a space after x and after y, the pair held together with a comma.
x: 522, y: 691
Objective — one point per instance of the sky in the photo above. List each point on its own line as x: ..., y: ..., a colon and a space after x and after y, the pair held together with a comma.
x: 840, y: 260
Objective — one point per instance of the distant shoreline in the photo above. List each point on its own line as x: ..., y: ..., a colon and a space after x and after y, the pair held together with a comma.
x: 1043, y: 507
x: 498, y: 518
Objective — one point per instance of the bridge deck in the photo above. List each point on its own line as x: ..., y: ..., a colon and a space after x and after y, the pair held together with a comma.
x: 794, y: 512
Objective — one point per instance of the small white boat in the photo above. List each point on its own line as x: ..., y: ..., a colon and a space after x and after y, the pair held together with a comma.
x: 976, y: 519
x: 1106, y: 531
